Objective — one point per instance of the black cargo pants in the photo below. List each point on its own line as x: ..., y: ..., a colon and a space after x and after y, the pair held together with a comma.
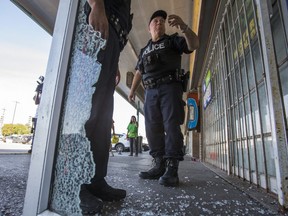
x: 98, y: 126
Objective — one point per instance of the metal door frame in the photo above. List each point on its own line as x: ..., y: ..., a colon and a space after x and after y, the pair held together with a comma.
x: 42, y: 158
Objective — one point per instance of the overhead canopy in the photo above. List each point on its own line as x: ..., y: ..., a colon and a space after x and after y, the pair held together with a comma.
x: 44, y: 12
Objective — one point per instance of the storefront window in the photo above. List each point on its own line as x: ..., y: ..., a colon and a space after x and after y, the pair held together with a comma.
x: 248, y: 117
x: 240, y: 156
x: 234, y: 86
x: 242, y: 120
x: 238, y: 82
x: 244, y: 78
x: 244, y: 94
x: 260, y: 156
x: 237, y: 122
x: 258, y: 62
x: 255, y: 114
x: 250, y: 71
x: 245, y: 154
x: 269, y: 153
x: 264, y: 109
x: 252, y: 155
x: 283, y: 71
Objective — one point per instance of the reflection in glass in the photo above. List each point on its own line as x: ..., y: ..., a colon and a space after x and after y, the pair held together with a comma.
x: 245, y: 154
x: 270, y: 159
x: 264, y: 109
x: 255, y: 114
x: 248, y: 117
x: 244, y: 78
x: 242, y: 119
x: 260, y: 156
x: 239, y: 146
x: 237, y: 122
x: 236, y: 158
x: 252, y: 155
x: 233, y: 127
x: 258, y: 62
x: 250, y: 72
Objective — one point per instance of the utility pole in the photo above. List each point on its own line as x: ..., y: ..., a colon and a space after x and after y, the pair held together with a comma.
x: 2, y: 120
x: 138, y: 138
x: 2, y: 117
x: 137, y: 113
x: 16, y: 102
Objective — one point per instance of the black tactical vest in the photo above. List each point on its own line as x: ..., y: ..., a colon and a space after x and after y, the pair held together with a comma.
x: 160, y: 58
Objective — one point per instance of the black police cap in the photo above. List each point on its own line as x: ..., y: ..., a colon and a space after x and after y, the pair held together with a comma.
x: 158, y: 13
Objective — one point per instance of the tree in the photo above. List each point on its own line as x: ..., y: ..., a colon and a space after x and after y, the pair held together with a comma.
x: 9, y: 129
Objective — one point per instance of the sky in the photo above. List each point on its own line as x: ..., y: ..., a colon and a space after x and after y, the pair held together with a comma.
x: 24, y: 52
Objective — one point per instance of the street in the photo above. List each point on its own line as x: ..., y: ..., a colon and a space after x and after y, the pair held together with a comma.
x: 8, y: 148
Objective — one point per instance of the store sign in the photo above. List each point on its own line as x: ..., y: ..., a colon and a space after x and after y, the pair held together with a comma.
x: 207, y: 96
x: 207, y: 89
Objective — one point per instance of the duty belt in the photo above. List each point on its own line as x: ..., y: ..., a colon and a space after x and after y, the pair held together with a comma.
x: 122, y: 33
x: 154, y: 83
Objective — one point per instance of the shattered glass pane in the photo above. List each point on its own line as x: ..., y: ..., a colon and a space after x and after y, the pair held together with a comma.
x: 74, y: 160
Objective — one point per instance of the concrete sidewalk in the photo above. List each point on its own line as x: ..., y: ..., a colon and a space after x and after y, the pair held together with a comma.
x: 203, y: 190
x: 14, y: 148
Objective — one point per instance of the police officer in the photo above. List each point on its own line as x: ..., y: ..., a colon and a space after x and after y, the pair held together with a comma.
x: 158, y: 67
x: 37, y: 99
x: 113, y: 19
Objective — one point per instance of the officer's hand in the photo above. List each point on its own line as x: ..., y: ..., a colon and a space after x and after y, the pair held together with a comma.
x: 98, y: 20
x: 174, y: 20
x: 131, y: 97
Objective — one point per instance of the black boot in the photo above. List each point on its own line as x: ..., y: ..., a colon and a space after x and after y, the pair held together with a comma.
x: 90, y: 204
x: 170, y: 178
x: 105, y: 192
x: 156, y: 171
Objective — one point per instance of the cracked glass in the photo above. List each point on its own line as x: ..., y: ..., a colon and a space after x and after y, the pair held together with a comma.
x: 74, y: 163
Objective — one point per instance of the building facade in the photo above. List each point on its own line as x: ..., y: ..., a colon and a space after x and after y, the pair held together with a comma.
x: 244, y: 94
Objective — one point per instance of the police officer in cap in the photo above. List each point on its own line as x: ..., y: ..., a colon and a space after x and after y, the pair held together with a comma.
x: 158, y: 67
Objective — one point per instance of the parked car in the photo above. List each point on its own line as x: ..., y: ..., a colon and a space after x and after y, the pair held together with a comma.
x: 12, y: 139
x: 123, y: 144
x: 24, y: 139
x: 27, y: 139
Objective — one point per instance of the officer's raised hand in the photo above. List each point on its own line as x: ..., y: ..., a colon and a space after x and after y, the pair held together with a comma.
x: 191, y: 38
x: 98, y: 19
x: 176, y: 21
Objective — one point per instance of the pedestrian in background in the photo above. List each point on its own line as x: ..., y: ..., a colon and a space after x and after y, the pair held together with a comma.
x: 37, y: 99
x: 132, y: 133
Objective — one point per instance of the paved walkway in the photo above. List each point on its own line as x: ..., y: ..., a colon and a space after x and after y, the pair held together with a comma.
x: 203, y: 190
